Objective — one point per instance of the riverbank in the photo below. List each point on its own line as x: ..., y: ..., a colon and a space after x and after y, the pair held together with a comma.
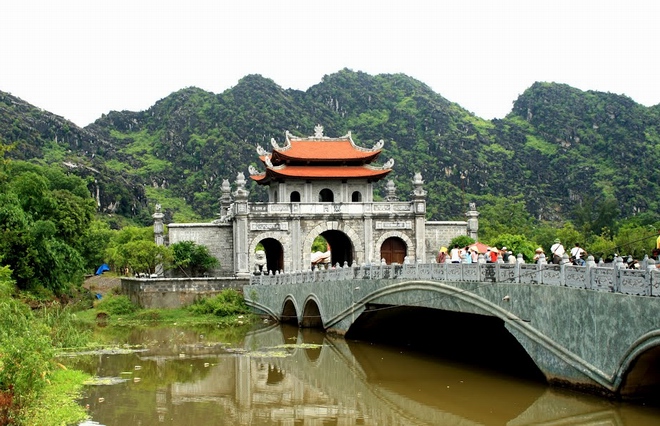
x: 37, y: 388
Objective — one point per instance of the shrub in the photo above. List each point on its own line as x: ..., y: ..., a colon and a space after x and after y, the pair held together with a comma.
x: 117, y: 305
x: 228, y: 302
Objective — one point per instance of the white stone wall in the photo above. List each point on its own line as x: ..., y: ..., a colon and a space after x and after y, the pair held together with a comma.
x: 218, y: 238
x: 439, y: 234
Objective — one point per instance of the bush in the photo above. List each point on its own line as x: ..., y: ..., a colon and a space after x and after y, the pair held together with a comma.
x: 228, y: 302
x: 26, y: 351
x: 117, y: 305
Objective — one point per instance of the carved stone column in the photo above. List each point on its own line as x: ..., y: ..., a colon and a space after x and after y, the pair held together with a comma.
x: 473, y: 222
x: 241, y: 227
x: 419, y: 206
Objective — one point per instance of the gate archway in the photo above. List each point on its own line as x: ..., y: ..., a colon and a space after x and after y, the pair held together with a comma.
x: 393, y: 250
x: 341, y: 247
x: 274, y: 254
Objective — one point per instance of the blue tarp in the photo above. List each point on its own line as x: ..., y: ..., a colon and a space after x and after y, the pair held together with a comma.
x: 102, y: 269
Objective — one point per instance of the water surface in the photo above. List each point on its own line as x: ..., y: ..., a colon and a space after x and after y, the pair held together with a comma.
x: 288, y: 376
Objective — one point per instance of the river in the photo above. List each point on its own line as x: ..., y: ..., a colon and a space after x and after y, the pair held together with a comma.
x: 282, y: 375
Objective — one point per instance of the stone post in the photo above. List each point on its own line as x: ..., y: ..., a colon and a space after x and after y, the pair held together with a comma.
x: 159, y: 237
x: 473, y: 222
x: 419, y: 209
x: 225, y: 198
x: 241, y: 227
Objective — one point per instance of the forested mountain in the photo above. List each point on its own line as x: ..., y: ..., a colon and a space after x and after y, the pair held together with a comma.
x: 566, y: 153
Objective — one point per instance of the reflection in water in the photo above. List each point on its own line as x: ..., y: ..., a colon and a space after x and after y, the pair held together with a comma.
x: 289, y: 376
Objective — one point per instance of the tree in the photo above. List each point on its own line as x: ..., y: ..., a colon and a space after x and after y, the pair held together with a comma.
x: 134, y: 249
x: 192, y: 259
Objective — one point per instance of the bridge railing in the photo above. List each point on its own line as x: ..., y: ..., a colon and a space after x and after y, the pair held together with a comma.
x: 599, y: 277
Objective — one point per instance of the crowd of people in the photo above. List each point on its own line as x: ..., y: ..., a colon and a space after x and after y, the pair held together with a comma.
x: 576, y: 255
x: 470, y: 254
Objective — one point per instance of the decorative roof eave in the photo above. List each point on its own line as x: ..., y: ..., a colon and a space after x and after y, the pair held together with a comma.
x: 387, y: 166
x: 318, y: 136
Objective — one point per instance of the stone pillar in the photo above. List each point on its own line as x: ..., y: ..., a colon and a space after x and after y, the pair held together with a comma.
x: 473, y: 222
x: 225, y: 198
x: 158, y: 226
x: 241, y: 227
x: 419, y: 209
x: 159, y: 237
x: 390, y: 191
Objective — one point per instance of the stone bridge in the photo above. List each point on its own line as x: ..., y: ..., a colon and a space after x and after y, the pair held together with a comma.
x: 593, y: 327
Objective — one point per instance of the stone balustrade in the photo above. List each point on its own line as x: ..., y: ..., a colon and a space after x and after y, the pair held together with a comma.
x: 607, y: 277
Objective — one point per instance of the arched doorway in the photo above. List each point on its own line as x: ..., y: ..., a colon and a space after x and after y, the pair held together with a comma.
x: 340, y: 246
x: 274, y: 254
x: 393, y: 250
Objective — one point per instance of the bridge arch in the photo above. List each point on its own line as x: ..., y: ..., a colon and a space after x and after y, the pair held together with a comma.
x: 410, y: 246
x: 311, y: 315
x: 638, y: 373
x: 324, y: 229
x: 289, y: 311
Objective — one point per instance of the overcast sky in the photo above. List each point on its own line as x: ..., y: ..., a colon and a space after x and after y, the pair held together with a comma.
x: 81, y: 59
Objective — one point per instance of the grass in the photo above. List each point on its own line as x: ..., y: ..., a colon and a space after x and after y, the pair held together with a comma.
x: 58, y: 403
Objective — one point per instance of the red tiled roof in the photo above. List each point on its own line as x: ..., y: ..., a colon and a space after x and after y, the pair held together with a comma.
x: 324, y: 150
x: 321, y: 172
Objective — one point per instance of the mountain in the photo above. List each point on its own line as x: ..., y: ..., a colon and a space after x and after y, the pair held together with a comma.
x: 561, y: 150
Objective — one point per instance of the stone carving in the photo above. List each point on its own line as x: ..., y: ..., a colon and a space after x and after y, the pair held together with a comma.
x: 261, y: 151
x: 253, y: 170
x: 389, y: 164
x: 259, y: 261
x: 269, y: 164
x: 378, y: 145
x: 318, y: 131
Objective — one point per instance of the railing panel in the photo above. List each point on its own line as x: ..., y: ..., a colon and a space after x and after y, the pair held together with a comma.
x: 551, y: 274
x: 529, y: 274
x: 376, y: 272
x: 603, y: 279
x: 506, y: 273
x: 424, y: 271
x: 488, y: 272
x: 454, y: 271
x: 439, y: 272
x: 576, y: 276
x: 470, y: 271
x: 634, y: 281
x: 409, y: 272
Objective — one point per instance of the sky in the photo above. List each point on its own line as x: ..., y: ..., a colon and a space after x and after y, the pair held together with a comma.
x: 83, y: 58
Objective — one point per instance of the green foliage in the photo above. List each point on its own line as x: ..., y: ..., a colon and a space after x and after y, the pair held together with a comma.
x: 226, y: 303
x: 461, y: 241
x: 26, y: 351
x: 602, y: 247
x: 58, y: 403
x: 320, y: 244
x: 116, y: 305
x: 43, y: 217
x: 635, y: 241
x: 192, y: 259
x: 133, y: 249
x: 517, y: 244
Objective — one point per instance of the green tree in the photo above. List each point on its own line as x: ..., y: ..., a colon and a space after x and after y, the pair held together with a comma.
x: 635, y: 241
x: 191, y: 259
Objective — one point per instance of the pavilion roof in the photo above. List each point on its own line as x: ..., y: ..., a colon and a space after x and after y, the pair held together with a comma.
x: 320, y: 172
x: 320, y: 157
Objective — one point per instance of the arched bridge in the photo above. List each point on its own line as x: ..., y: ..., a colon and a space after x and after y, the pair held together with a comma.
x: 594, y: 327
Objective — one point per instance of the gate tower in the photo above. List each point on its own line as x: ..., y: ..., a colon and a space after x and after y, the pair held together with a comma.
x: 318, y: 185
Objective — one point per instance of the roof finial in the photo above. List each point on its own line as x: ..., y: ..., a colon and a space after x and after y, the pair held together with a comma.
x: 318, y: 131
